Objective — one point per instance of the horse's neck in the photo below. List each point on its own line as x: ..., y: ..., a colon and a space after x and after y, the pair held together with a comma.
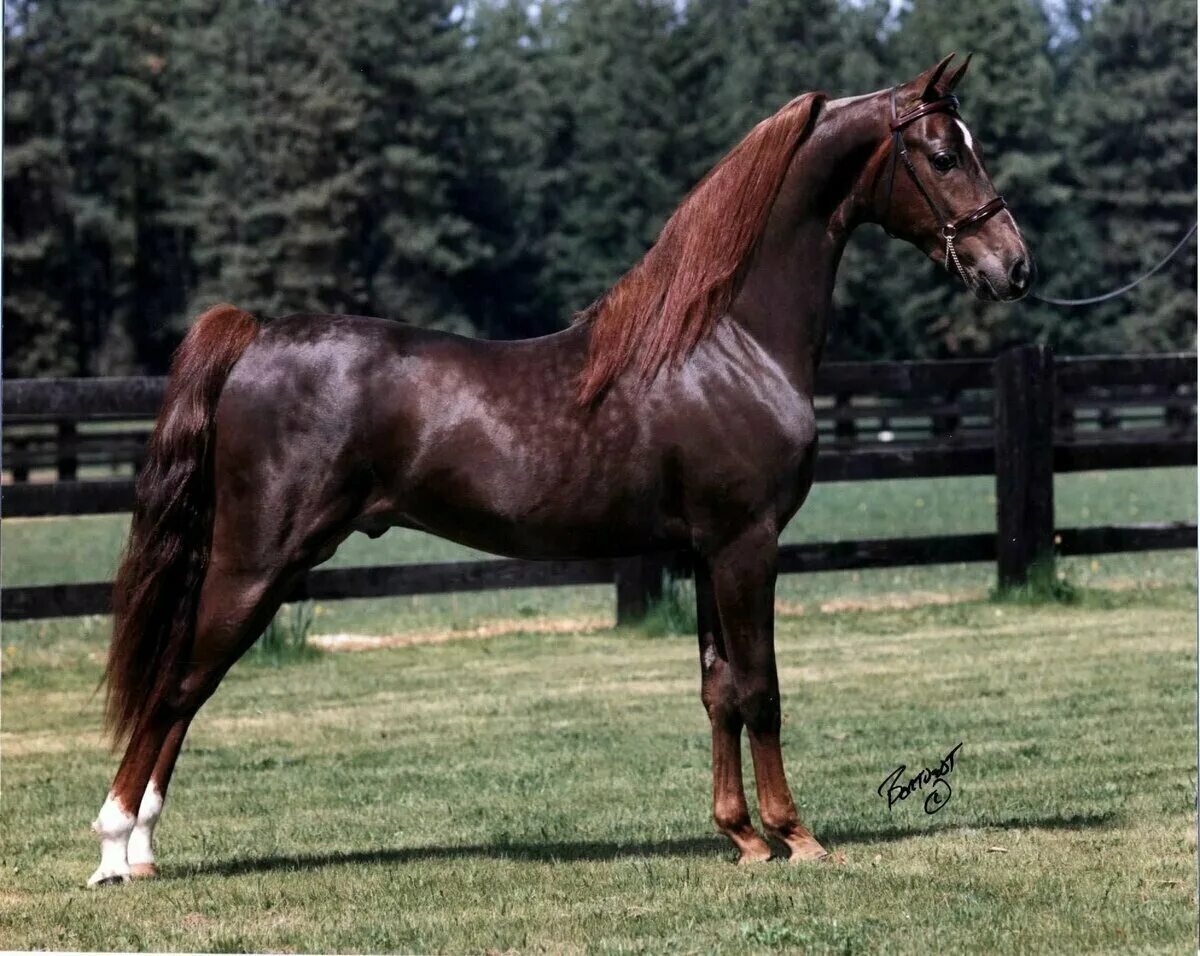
x: 786, y: 298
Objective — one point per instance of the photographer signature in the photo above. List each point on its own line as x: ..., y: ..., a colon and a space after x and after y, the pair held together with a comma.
x: 935, y: 777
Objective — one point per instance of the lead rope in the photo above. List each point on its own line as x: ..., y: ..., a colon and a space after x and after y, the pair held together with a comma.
x: 1125, y: 288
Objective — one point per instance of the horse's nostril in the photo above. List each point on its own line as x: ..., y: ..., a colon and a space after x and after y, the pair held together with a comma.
x: 1018, y: 275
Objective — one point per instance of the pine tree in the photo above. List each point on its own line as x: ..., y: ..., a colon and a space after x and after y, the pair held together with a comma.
x: 39, y: 337
x: 1132, y: 110
x: 268, y: 120
x: 503, y: 186
x: 414, y: 243
x: 703, y: 48
x: 614, y: 190
x: 97, y: 74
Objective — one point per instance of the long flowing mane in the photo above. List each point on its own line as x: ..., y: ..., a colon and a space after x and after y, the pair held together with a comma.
x: 665, y: 304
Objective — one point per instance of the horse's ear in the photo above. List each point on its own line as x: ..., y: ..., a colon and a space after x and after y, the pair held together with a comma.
x: 950, y: 84
x: 928, y: 81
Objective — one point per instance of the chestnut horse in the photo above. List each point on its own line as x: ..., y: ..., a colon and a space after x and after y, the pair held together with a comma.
x: 676, y: 412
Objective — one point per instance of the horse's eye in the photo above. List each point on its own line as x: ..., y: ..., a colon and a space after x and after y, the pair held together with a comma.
x: 944, y: 161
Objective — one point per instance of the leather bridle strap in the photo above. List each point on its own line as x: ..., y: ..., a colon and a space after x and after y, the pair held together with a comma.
x: 950, y: 227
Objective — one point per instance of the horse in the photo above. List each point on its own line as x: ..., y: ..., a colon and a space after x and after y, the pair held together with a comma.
x: 675, y: 412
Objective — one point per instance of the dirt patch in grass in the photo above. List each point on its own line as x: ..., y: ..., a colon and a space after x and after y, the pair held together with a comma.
x: 498, y: 628
x: 902, y: 602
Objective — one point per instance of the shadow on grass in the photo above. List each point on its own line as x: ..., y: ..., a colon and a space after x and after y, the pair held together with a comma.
x: 571, y: 852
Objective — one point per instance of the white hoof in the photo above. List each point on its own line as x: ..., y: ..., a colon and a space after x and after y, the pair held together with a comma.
x: 108, y: 876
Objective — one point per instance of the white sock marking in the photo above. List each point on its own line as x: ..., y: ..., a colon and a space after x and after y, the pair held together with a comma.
x: 141, y: 840
x: 114, y: 826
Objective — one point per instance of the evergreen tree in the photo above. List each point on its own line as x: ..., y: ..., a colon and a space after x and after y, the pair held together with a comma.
x: 495, y: 165
x: 703, y: 49
x: 614, y: 190
x: 789, y: 47
x: 1132, y: 118
x: 94, y: 107
x: 39, y: 335
x: 503, y: 188
x: 268, y: 117
x: 414, y: 244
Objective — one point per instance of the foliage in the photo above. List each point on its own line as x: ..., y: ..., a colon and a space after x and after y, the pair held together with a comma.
x: 672, y: 615
x: 1045, y: 584
x: 492, y: 167
x: 286, y: 637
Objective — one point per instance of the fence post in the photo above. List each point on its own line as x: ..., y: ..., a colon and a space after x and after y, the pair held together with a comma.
x: 845, y: 428
x: 1024, y: 437
x: 67, y: 458
x: 946, y: 424
x: 639, y: 586
x: 20, y: 468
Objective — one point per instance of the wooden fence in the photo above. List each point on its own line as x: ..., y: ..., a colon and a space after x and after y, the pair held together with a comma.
x: 1023, y: 418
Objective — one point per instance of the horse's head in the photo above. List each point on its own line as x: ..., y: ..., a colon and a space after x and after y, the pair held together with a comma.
x: 933, y: 190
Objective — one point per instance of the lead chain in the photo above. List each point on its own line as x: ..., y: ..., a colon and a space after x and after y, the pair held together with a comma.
x: 948, y: 233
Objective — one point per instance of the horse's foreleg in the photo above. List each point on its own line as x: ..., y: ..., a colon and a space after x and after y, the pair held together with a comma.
x: 743, y: 580
x: 730, y: 812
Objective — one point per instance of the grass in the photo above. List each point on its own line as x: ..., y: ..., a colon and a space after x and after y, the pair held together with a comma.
x: 286, y: 637
x: 551, y: 793
x: 674, y: 613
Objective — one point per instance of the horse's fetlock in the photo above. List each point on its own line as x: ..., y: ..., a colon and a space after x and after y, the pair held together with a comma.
x: 731, y: 818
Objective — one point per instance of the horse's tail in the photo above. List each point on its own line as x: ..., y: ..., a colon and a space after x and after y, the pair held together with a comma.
x: 156, y: 593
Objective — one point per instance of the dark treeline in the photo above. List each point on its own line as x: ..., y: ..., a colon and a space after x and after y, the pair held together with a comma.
x: 491, y: 167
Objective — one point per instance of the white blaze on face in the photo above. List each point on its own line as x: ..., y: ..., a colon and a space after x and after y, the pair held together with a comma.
x: 141, y: 840
x: 114, y: 826
x: 966, y: 135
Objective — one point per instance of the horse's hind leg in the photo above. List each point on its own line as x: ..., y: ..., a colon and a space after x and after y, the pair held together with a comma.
x: 717, y: 691
x: 261, y: 546
x: 234, y: 608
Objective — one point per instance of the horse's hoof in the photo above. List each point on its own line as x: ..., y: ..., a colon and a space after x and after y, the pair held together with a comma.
x: 101, y: 878
x: 143, y: 871
x: 755, y: 855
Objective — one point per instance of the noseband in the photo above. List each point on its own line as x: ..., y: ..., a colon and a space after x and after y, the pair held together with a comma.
x: 951, y: 227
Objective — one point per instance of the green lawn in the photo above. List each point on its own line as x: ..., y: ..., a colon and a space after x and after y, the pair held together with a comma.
x: 551, y: 793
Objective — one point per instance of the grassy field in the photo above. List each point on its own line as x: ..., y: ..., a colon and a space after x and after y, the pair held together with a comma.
x: 551, y: 791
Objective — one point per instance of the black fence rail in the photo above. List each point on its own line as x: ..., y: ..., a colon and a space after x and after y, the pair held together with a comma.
x: 1023, y: 418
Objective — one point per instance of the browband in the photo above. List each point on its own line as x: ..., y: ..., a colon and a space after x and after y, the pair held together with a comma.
x: 943, y: 104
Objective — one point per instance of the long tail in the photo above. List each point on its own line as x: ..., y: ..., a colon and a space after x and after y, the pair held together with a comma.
x: 157, y: 589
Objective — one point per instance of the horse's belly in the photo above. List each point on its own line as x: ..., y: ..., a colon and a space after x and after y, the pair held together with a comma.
x: 519, y: 512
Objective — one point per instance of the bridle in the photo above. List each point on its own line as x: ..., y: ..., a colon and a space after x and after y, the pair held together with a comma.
x: 950, y: 227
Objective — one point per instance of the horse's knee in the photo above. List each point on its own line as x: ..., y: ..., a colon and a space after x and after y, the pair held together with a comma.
x: 719, y: 698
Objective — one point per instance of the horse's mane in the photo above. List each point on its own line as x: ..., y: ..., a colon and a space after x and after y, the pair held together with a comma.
x: 665, y: 304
